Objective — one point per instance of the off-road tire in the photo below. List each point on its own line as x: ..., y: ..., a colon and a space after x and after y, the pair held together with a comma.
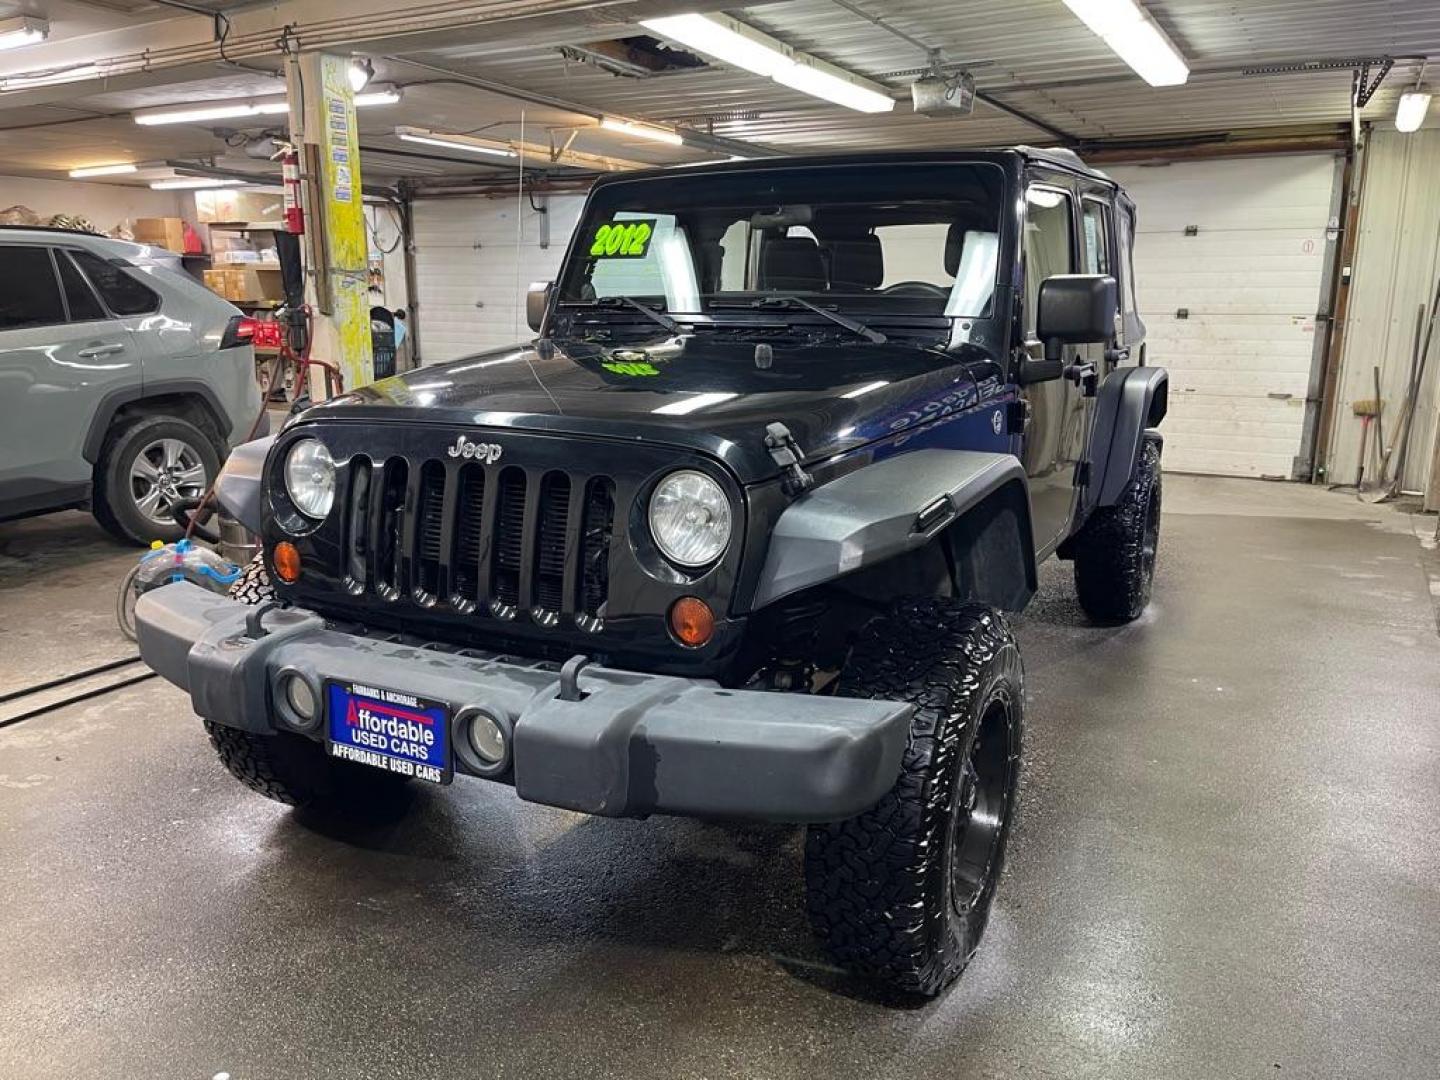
x: 881, y: 888
x: 292, y: 769
x: 253, y: 585
x: 111, y: 500
x: 1115, y: 551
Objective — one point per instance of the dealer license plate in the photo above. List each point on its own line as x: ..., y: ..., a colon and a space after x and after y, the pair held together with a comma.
x: 390, y: 730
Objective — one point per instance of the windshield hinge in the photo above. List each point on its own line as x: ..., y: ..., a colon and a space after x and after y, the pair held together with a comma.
x: 786, y: 453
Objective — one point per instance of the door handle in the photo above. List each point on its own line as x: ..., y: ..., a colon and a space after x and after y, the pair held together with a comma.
x: 101, y: 350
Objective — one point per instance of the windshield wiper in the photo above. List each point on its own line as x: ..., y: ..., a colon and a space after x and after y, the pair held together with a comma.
x: 853, y: 325
x: 617, y: 301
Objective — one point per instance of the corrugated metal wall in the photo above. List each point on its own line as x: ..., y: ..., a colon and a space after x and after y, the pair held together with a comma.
x: 1396, y: 263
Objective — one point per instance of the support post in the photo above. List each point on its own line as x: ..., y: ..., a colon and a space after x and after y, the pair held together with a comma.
x: 322, y: 124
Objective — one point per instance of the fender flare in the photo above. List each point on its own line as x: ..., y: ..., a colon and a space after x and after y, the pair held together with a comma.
x: 1132, y: 402
x: 112, y: 403
x: 237, y: 489
x: 979, y: 501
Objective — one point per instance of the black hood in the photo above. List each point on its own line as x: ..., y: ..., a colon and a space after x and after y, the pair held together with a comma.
x: 693, y: 391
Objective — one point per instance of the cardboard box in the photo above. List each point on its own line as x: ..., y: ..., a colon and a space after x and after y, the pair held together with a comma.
x: 238, y: 204
x: 166, y: 232
x: 258, y: 284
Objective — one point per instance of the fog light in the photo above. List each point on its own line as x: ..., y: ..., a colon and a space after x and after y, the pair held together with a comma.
x: 691, y: 621
x: 300, y: 698
x: 487, y: 739
x: 287, y: 562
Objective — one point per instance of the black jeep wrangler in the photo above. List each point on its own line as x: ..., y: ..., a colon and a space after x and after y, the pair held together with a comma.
x: 732, y: 537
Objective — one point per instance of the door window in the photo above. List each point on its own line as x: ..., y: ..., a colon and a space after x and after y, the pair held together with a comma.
x: 121, y: 292
x: 1049, y: 244
x: 1097, y: 238
x: 29, y: 294
x: 79, y: 297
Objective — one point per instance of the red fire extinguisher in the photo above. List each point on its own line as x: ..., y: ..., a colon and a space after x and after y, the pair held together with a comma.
x: 290, y: 176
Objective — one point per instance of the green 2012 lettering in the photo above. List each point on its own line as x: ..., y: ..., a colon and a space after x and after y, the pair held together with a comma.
x: 622, y: 240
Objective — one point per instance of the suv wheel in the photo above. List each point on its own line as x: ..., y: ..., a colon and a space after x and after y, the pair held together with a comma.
x: 292, y: 769
x: 902, y: 892
x: 146, y: 467
x: 1115, y: 551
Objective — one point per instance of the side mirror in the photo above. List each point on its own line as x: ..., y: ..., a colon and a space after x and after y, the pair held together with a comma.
x: 536, y: 301
x: 1076, y: 309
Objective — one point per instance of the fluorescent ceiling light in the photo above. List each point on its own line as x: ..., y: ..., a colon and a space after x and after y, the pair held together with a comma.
x: 733, y: 42
x: 726, y: 39
x: 1414, y: 104
x: 220, y: 110
x: 192, y: 183
x: 468, y: 143
x: 389, y: 96
x: 1135, y: 38
x: 202, y: 111
x: 691, y: 404
x: 643, y: 131
x: 822, y: 80
x: 26, y: 30
x: 102, y: 170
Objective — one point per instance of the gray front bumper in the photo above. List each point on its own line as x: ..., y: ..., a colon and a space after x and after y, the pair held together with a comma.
x: 634, y: 744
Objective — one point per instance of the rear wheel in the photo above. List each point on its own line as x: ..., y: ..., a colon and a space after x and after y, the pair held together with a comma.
x: 292, y: 769
x: 902, y: 892
x: 1115, y: 552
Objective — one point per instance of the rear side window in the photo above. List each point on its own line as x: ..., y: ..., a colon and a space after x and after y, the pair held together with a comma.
x: 79, y: 297
x: 29, y: 293
x: 121, y: 292
x: 1097, y: 239
x: 1126, y: 228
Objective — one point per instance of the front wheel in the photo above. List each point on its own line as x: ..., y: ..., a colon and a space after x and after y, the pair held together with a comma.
x: 902, y: 892
x: 292, y: 769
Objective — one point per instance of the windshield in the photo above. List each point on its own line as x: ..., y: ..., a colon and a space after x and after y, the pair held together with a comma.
x: 914, y: 240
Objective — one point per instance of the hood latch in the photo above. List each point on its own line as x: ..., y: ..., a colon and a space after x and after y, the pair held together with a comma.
x: 786, y: 453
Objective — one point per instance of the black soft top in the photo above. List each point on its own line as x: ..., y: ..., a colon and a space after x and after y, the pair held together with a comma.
x: 1066, y: 160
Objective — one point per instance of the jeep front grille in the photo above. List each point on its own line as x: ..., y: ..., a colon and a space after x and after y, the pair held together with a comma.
x: 496, y: 541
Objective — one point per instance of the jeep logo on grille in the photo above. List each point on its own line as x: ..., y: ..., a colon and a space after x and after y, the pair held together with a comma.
x: 487, y: 452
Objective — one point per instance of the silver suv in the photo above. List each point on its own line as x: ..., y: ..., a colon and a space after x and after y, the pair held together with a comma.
x: 123, y: 381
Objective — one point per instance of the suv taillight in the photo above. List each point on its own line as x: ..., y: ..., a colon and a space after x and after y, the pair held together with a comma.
x: 243, y: 330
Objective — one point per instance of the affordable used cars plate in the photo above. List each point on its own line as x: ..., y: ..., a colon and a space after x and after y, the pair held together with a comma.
x: 390, y: 730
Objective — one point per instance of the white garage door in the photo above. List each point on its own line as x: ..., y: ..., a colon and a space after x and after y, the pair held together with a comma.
x: 472, y: 269
x: 1230, y: 310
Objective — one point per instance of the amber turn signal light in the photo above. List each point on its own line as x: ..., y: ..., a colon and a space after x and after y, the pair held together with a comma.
x: 287, y: 562
x: 692, y: 622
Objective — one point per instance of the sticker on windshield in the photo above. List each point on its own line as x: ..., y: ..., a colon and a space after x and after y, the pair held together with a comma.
x: 623, y: 239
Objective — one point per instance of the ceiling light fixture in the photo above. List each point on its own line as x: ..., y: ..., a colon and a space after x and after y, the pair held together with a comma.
x: 467, y: 143
x: 360, y: 72
x: 733, y: 42
x: 16, y: 33
x: 25, y: 30
x: 642, y: 131
x: 192, y: 183
x: 388, y: 96
x: 103, y: 170
x: 1134, y: 37
x: 1414, y: 104
x: 201, y: 111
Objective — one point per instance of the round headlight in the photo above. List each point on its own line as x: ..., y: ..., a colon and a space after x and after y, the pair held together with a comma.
x: 310, y: 478
x: 690, y: 518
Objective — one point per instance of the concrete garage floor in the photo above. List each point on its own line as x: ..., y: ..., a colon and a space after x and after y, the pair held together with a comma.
x: 1226, y: 863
